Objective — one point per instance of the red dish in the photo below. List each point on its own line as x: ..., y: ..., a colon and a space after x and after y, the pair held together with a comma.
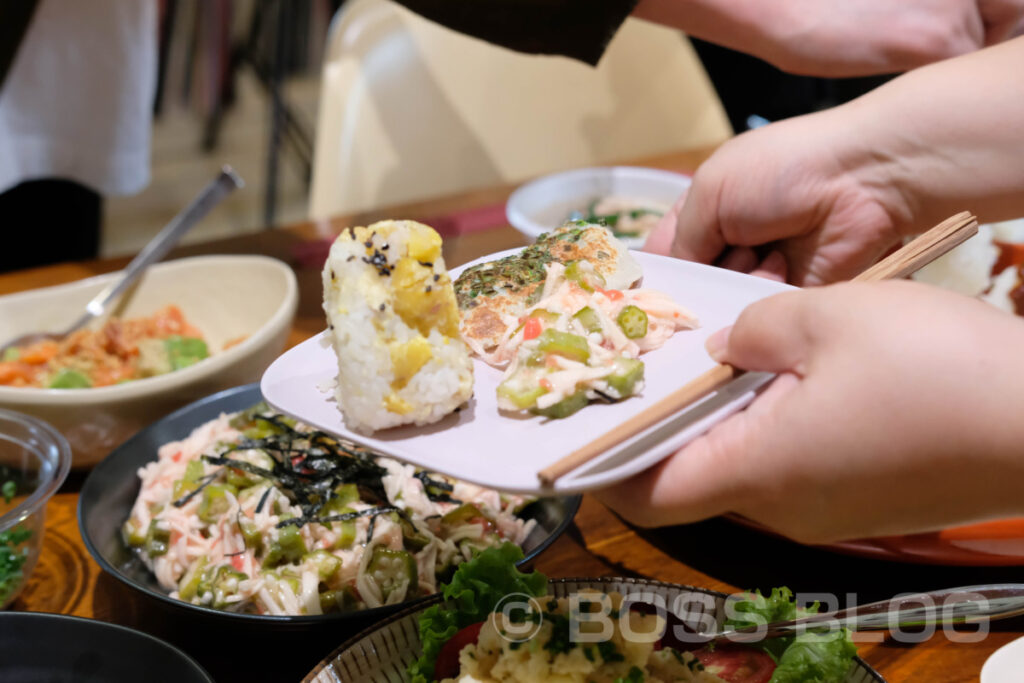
x: 989, y: 544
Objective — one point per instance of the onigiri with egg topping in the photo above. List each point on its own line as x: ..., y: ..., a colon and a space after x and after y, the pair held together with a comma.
x: 394, y: 325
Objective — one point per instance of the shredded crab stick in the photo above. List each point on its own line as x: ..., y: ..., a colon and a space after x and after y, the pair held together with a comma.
x: 256, y: 513
x: 582, y: 342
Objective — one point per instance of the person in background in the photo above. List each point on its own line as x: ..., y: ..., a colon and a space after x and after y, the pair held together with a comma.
x: 897, y: 406
x: 75, y: 121
x: 852, y: 38
x: 865, y: 38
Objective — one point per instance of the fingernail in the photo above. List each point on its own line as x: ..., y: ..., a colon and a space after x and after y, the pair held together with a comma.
x: 717, y: 343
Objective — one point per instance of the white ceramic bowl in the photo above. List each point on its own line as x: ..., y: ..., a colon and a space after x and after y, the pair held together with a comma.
x: 225, y: 297
x: 1006, y: 664
x: 546, y: 203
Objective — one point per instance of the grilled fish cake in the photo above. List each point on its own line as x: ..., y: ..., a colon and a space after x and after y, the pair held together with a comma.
x: 492, y: 295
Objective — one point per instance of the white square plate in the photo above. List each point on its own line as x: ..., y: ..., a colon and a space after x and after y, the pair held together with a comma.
x: 480, y: 445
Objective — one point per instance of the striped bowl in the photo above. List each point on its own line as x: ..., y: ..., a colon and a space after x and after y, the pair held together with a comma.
x: 382, y: 653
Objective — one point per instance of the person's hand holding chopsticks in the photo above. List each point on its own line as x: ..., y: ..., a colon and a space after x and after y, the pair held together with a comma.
x: 896, y: 410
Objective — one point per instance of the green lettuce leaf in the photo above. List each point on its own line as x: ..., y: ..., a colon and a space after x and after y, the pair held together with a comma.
x: 476, y: 588
x: 755, y: 609
x: 808, y: 658
x: 816, y: 658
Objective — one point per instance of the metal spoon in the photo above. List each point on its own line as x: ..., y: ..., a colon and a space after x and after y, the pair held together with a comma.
x: 968, y: 604
x: 220, y: 187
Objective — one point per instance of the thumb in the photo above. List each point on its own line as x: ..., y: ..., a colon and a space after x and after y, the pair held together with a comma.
x: 770, y: 335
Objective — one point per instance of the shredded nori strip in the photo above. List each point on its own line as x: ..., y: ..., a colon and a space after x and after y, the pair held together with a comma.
x: 308, y: 466
x: 263, y: 499
x: 437, y: 490
x: 343, y: 517
x: 377, y: 512
x: 203, y: 483
x: 239, y: 465
x: 424, y: 477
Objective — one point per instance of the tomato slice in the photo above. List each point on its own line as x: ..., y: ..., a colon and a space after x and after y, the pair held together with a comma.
x: 447, y: 665
x: 737, y: 663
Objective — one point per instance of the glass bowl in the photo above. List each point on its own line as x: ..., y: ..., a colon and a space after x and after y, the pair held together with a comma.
x: 34, y: 460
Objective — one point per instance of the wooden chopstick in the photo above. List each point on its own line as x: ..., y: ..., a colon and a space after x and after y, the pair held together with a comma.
x: 901, y: 263
x: 921, y: 251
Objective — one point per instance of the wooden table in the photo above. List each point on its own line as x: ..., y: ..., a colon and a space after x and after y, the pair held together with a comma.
x: 716, y: 554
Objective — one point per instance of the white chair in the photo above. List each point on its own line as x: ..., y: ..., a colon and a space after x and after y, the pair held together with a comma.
x: 410, y: 109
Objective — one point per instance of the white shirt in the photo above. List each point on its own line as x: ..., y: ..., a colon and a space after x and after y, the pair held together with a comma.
x: 77, y: 102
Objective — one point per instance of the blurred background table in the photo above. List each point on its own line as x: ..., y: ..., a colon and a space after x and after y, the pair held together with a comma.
x: 716, y: 554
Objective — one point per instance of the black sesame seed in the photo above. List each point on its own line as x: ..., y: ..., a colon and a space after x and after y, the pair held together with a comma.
x: 351, y: 258
x: 429, y: 288
x: 386, y: 247
x: 426, y: 264
x: 436, y: 277
x: 368, y: 243
x: 382, y: 307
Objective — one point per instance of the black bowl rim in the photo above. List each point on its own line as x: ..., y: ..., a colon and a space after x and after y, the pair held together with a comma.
x: 571, y: 504
x: 100, y: 624
x: 437, y: 598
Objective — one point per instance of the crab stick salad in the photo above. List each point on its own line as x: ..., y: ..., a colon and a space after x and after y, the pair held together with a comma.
x: 256, y: 513
x: 581, y: 342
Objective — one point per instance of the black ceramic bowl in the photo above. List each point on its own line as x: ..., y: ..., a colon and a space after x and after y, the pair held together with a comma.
x: 110, y: 491
x: 60, y: 649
